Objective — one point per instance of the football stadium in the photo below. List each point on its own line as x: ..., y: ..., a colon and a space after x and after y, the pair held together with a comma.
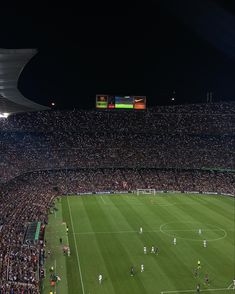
x: 114, y: 200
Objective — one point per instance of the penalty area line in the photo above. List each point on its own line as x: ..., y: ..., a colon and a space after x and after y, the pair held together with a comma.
x: 193, y: 291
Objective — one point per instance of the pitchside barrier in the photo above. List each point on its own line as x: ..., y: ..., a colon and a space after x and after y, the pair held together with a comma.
x: 156, y: 192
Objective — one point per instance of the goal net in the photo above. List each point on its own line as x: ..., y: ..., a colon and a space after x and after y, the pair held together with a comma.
x: 146, y: 192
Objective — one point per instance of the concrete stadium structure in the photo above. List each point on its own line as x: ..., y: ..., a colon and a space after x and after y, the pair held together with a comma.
x: 12, y: 63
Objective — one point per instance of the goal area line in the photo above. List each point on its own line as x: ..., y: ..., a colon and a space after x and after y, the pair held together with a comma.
x: 194, y: 290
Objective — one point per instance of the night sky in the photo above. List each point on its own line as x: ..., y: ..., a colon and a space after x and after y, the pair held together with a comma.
x: 146, y: 47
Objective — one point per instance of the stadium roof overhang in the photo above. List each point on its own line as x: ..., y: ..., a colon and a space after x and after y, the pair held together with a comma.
x: 12, y: 62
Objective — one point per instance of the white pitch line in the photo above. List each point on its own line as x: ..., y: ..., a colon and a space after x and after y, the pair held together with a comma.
x: 67, y: 238
x: 75, y: 242
x: 229, y: 287
x: 117, y: 232
x: 190, y: 230
x: 103, y: 200
x: 193, y: 291
x: 150, y: 231
x: 55, y: 273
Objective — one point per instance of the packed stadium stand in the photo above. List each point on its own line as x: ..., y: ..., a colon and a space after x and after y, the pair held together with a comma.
x: 50, y: 153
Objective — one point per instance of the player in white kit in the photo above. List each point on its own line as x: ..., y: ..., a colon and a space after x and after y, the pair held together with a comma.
x: 152, y: 249
x: 174, y: 241
x: 204, y: 243
x: 100, y: 278
x: 199, y: 231
x: 145, y: 250
x: 142, y: 268
x: 141, y: 230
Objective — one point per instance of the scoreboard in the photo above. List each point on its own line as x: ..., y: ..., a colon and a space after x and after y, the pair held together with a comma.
x: 120, y: 102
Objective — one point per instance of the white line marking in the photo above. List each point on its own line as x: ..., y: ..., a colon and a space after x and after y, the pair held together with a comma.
x: 75, y: 242
x: 103, y: 199
x: 191, y: 239
x: 229, y: 287
x: 190, y: 230
x: 55, y: 273
x: 193, y: 291
x: 66, y: 234
x: 150, y: 231
x: 117, y: 232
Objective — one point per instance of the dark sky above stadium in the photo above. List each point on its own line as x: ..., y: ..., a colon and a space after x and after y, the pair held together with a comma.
x: 151, y: 47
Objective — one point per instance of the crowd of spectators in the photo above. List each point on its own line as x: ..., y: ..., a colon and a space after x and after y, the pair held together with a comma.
x: 196, y: 136
x: 19, y: 263
x: 46, y: 154
x: 199, y: 118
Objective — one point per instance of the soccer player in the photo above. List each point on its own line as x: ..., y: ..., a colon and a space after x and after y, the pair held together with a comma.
x: 198, y: 288
x: 141, y: 230
x: 198, y: 264
x: 204, y: 243
x: 199, y: 231
x: 142, y: 268
x: 61, y: 240
x: 156, y: 250
x: 174, y: 241
x: 132, y: 271
x: 145, y: 250
x: 100, y: 278
x: 68, y: 251
x: 67, y: 230
x: 206, y: 279
x: 152, y: 249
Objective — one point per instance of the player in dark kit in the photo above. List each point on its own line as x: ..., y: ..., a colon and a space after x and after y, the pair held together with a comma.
x: 198, y: 288
x: 206, y: 279
x: 195, y: 272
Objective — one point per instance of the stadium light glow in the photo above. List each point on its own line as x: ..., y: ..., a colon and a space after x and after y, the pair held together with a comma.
x: 4, y: 114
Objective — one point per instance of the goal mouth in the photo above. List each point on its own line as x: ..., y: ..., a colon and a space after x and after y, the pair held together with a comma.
x: 146, y: 192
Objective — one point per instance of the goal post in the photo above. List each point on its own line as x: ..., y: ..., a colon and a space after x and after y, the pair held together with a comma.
x: 146, y: 192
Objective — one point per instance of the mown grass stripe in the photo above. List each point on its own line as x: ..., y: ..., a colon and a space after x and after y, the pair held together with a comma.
x: 109, y: 246
x: 76, y: 246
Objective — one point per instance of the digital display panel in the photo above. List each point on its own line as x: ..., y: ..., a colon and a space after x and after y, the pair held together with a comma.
x: 139, y: 102
x: 120, y: 102
x: 101, y: 101
x: 124, y: 102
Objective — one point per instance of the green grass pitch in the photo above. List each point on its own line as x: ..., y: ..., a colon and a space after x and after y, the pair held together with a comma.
x: 104, y: 238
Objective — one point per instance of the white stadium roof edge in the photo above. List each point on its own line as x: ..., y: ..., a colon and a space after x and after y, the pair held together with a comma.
x: 12, y: 62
